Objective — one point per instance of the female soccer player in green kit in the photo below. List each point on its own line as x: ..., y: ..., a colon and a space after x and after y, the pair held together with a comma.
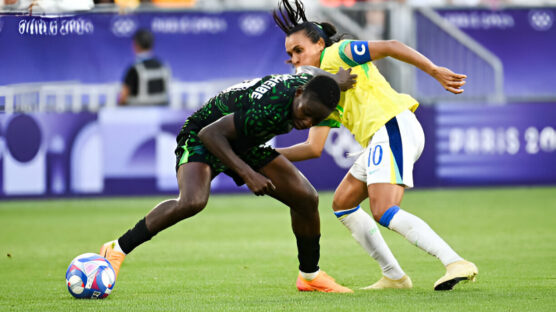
x: 228, y: 135
x: 383, y: 122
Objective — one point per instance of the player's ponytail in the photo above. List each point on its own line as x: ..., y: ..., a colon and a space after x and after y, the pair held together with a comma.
x: 292, y: 19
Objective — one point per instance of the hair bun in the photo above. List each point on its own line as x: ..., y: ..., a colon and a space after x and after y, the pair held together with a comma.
x: 328, y: 29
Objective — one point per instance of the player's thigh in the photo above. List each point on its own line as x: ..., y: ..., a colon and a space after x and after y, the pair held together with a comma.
x: 393, y: 151
x: 350, y: 193
x: 292, y: 187
x: 194, y: 185
x: 194, y: 169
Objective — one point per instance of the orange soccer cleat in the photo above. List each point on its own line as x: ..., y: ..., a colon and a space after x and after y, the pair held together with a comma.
x: 114, y: 257
x: 322, y: 283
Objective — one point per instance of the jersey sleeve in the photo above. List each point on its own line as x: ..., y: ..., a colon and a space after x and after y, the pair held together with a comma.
x: 360, y: 53
x: 335, y: 57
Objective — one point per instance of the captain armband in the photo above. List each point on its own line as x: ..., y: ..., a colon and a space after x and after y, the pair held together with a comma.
x: 360, y: 51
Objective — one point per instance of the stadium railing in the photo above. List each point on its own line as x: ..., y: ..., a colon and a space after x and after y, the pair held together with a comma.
x: 64, y: 96
x: 69, y: 96
x: 454, y: 49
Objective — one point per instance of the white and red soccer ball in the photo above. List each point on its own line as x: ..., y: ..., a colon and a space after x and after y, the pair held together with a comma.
x: 90, y: 276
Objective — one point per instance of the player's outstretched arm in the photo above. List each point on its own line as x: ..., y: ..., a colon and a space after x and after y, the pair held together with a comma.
x: 380, y: 49
x: 216, y: 138
x: 311, y: 148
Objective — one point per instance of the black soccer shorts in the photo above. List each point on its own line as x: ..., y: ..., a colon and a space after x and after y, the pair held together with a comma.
x: 191, y: 149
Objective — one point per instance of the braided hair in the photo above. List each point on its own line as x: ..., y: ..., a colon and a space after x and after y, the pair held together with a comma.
x: 292, y: 19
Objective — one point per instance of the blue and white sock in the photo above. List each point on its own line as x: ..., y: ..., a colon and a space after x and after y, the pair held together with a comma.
x: 419, y: 233
x: 365, y: 231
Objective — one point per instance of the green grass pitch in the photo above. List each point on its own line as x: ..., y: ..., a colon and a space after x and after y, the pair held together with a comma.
x: 239, y: 255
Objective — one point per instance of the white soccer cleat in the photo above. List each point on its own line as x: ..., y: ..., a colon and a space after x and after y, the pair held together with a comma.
x: 456, y: 272
x: 387, y: 283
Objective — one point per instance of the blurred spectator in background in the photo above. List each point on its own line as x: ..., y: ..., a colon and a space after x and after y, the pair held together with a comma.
x: 131, y: 4
x: 490, y: 3
x: 47, y: 6
x: 145, y: 83
x: 173, y: 3
x: 376, y: 20
x: 127, y: 4
x: 420, y: 3
x: 8, y: 2
x: 337, y: 3
x: 371, y: 20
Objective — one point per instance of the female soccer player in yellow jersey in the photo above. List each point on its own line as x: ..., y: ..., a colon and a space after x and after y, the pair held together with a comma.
x: 383, y: 122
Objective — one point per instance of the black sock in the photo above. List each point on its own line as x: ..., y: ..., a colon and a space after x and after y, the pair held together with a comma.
x: 308, y: 253
x: 135, y: 237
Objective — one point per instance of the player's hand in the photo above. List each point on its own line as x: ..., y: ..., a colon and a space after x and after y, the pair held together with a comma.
x: 259, y: 184
x: 345, y: 79
x: 449, y: 80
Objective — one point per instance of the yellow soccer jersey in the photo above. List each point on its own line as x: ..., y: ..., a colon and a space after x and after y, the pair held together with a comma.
x: 370, y: 104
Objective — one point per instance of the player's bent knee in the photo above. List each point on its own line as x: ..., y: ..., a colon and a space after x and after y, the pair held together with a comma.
x: 339, y: 202
x: 303, y: 191
x: 189, y: 208
x: 306, y: 201
x: 312, y: 197
x: 377, y: 215
x: 379, y: 207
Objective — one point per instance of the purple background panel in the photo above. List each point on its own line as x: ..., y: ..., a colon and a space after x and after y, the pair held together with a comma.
x: 497, y: 145
x: 525, y: 41
x: 97, y: 48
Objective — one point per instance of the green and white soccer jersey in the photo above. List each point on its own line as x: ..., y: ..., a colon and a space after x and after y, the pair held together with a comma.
x: 262, y: 109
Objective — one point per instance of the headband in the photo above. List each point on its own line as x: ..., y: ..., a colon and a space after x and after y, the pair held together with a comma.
x: 320, y: 31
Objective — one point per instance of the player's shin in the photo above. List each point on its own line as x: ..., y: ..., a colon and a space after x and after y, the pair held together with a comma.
x: 418, y: 233
x: 308, y: 253
x: 365, y: 231
x: 135, y: 237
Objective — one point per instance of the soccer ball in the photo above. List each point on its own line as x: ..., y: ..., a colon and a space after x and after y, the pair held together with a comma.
x: 90, y: 276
